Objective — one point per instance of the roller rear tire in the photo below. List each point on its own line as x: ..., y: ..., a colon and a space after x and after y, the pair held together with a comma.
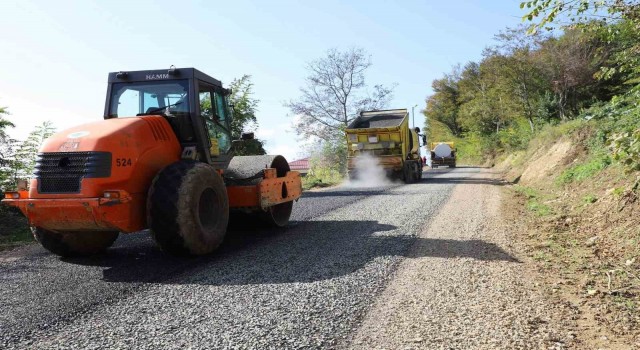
x: 188, y: 209
x: 74, y: 243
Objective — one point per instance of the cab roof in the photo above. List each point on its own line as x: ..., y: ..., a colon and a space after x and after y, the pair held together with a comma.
x: 162, y: 74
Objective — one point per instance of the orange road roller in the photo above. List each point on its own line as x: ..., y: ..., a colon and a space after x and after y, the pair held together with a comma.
x: 162, y: 159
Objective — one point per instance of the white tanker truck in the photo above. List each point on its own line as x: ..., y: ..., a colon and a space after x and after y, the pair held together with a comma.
x: 443, y: 153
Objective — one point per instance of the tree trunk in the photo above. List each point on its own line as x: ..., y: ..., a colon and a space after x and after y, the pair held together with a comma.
x: 561, y: 105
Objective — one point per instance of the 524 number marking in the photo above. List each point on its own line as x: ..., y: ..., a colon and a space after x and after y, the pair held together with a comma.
x: 123, y: 162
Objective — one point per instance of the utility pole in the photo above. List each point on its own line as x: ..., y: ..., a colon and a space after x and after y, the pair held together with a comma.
x: 413, y: 115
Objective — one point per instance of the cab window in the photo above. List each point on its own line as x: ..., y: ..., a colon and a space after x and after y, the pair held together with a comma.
x: 213, y: 114
x: 221, y: 109
x: 139, y: 98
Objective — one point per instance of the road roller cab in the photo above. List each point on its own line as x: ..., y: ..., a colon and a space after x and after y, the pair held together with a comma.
x: 162, y: 159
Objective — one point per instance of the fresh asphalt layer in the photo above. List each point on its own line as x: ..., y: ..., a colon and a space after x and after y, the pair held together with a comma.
x: 305, y: 286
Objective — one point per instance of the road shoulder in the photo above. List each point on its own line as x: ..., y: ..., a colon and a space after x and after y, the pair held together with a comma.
x: 466, y: 285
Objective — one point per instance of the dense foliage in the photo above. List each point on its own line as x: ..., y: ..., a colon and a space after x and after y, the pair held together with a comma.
x: 5, y: 149
x: 529, y: 79
x: 245, y: 106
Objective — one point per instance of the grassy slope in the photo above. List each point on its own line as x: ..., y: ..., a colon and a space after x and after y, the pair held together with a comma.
x: 583, y: 225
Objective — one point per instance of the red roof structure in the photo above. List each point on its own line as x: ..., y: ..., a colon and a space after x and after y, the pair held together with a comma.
x: 301, y: 165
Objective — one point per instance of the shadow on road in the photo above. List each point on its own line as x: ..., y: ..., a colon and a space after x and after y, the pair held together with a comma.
x: 465, y: 180
x: 471, y: 167
x: 310, y: 251
x: 457, y: 170
x: 349, y: 193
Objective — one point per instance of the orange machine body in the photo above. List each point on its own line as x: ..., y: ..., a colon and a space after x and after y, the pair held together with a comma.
x: 136, y: 148
x: 270, y: 191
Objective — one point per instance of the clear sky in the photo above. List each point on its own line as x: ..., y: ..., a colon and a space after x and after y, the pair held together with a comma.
x: 55, y: 55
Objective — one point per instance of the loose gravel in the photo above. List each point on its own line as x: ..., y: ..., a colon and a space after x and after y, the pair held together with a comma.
x: 465, y: 287
x: 308, y: 286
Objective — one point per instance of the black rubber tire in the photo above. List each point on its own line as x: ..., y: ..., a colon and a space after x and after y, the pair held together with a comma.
x: 452, y: 165
x: 188, y: 209
x: 408, y: 173
x: 74, y: 243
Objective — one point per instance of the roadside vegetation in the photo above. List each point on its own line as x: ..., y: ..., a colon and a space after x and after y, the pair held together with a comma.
x: 327, y: 164
x: 579, y: 182
x: 531, y: 78
x: 17, y: 159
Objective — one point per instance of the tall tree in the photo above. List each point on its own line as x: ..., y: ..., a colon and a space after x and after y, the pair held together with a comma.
x: 618, y: 22
x: 482, y: 103
x: 245, y: 106
x: 521, y: 76
x: 444, y: 105
x: 568, y: 62
x: 243, y: 119
x: 334, y: 94
x: 8, y: 164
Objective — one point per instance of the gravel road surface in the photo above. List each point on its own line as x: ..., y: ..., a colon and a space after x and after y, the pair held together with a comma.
x: 464, y: 287
x: 395, y: 267
x: 306, y: 286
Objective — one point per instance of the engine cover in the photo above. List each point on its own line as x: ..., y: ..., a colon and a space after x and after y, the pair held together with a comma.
x: 113, y: 154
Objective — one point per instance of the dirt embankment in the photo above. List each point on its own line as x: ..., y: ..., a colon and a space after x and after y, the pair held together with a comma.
x: 579, y: 221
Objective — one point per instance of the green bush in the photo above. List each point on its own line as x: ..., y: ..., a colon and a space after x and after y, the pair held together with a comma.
x: 539, y: 208
x: 321, y: 176
x: 470, y: 150
x: 583, y: 171
x: 14, y: 229
x: 528, y: 192
x: 516, y: 137
x: 626, y: 149
x: 534, y: 203
x: 590, y: 198
x: 309, y: 182
x: 619, y: 128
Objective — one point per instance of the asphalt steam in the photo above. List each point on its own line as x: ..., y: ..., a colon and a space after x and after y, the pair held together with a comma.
x: 369, y: 173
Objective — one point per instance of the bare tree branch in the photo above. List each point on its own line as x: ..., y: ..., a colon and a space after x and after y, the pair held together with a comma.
x: 335, y: 93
